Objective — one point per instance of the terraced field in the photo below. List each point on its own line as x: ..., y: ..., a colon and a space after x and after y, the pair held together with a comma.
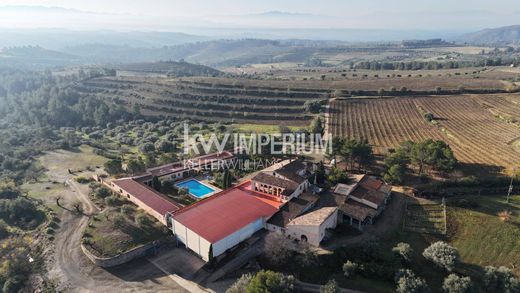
x: 469, y: 123
x: 203, y: 101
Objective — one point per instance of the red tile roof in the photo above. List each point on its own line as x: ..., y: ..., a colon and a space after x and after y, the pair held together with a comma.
x: 370, y: 182
x: 147, y: 196
x: 226, y: 212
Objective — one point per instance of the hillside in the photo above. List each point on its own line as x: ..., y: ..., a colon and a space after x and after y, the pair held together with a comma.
x: 171, y: 68
x: 35, y: 57
x: 495, y: 36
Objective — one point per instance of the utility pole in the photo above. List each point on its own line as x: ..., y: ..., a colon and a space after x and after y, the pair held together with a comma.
x: 510, y: 190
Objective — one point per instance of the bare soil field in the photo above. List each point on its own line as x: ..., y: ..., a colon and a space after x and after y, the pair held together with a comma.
x: 467, y: 122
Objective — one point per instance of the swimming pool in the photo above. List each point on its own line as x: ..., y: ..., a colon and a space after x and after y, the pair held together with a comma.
x: 195, y: 188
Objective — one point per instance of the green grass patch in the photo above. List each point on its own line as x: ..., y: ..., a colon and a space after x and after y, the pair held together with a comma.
x: 482, y: 237
x: 261, y: 128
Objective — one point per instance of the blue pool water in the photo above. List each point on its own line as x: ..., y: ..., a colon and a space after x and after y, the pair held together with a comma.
x: 195, y: 188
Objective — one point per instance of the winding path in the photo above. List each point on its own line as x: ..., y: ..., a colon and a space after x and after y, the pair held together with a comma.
x: 75, y: 273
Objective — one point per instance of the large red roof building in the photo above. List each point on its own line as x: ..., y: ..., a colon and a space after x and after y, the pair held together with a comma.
x: 213, y: 225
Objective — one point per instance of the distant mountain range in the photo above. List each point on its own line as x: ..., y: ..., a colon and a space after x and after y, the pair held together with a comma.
x: 507, y: 35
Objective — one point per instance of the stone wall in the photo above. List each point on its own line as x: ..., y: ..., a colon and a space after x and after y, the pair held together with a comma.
x: 106, y: 262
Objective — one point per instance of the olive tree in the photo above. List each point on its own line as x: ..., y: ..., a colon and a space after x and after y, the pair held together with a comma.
x: 456, y: 284
x: 442, y: 254
x: 501, y: 279
x: 404, y: 250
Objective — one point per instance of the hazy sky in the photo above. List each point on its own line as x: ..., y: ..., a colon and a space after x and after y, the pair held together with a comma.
x: 169, y: 14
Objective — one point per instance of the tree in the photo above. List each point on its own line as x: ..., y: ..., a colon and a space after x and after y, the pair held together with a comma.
x: 395, y: 174
x: 277, y: 248
x: 147, y: 148
x: 404, y: 250
x: 307, y: 257
x: 320, y: 173
x: 269, y: 281
x: 240, y: 285
x: 156, y: 183
x: 408, y: 282
x: 350, y: 268
x: 78, y: 206
x: 330, y: 287
x: 500, y: 279
x: 134, y: 166
x: 412, y: 285
x: 113, y: 167
x: 316, y: 126
x: 337, y: 175
x: 335, y: 150
x: 442, y: 254
x: 224, y: 179
x: 429, y: 117
x: 312, y: 106
x: 456, y: 284
x: 164, y: 146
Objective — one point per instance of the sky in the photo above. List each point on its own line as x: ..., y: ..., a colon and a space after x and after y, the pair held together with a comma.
x: 167, y: 15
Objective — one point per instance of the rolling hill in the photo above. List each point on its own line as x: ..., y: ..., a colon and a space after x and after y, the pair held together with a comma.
x: 507, y: 35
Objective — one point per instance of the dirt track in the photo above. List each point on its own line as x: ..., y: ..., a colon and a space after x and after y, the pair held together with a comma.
x: 67, y: 265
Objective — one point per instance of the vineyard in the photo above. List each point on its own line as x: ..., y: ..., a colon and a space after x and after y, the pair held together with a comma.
x: 481, y: 129
x: 202, y: 101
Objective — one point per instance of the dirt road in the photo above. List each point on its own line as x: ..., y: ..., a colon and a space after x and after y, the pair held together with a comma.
x: 67, y: 266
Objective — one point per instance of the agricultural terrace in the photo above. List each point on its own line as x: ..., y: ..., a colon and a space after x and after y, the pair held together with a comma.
x: 347, y: 80
x: 204, y: 101
x: 469, y: 123
x: 425, y: 217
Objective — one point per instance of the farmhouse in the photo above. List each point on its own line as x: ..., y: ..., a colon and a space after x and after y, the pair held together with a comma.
x: 361, y: 201
x: 286, y: 182
x: 277, y: 199
x: 311, y: 227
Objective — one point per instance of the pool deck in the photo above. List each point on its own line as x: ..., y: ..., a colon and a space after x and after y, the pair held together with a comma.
x: 204, y: 182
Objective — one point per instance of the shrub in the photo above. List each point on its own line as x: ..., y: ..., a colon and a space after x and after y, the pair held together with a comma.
x: 127, y: 209
x: 404, y: 250
x: 119, y: 220
x: 269, y: 281
x: 442, y: 254
x: 500, y: 279
x: 83, y: 180
x: 102, y: 192
x: 456, y: 284
x: 241, y: 284
x: 350, y: 268
x: 112, y: 201
x: 3, y: 230
x: 408, y: 282
x: 143, y: 220
x: 330, y: 287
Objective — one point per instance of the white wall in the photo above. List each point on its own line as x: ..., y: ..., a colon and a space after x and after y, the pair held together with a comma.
x: 201, y: 246
x: 238, y: 236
